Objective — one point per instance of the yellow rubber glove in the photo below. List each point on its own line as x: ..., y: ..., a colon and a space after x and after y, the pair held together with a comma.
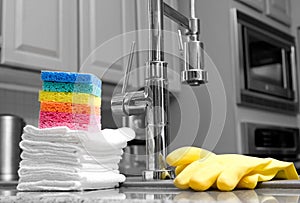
x: 226, y: 172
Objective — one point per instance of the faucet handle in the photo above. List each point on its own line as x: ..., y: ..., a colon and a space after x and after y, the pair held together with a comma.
x: 128, y: 68
x: 180, y: 43
x: 129, y: 103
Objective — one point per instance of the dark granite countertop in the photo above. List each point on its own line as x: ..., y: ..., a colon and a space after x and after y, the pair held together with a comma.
x: 161, y: 192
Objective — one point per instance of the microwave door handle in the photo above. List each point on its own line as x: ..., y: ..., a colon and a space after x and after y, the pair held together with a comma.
x: 294, y: 72
x: 283, y: 57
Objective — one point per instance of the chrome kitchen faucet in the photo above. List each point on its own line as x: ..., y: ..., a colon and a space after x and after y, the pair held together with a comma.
x: 153, y: 101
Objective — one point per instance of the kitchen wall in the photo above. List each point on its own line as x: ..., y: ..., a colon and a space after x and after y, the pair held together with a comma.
x: 216, y: 34
x: 19, y: 93
x: 191, y: 108
x: 24, y: 104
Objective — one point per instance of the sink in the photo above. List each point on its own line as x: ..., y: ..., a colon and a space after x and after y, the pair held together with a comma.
x: 284, y: 184
x: 134, y: 188
x: 276, y: 191
x: 137, y: 182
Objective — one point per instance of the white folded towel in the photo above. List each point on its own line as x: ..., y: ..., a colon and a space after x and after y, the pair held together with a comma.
x: 71, y: 157
x: 88, y: 180
x: 32, y: 164
x: 64, y: 149
x: 63, y: 159
x: 49, y: 185
x: 107, y: 139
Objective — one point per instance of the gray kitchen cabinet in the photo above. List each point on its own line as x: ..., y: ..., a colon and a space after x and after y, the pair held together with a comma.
x: 40, y: 34
x: 256, y: 4
x: 279, y: 10
x: 104, y: 38
x: 81, y: 35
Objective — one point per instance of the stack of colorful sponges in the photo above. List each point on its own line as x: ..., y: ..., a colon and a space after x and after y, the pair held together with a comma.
x: 70, y: 99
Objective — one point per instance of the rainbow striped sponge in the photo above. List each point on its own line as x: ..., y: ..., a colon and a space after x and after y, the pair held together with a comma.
x: 70, y: 99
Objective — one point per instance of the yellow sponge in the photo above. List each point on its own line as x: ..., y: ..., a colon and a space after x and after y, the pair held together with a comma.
x: 68, y: 97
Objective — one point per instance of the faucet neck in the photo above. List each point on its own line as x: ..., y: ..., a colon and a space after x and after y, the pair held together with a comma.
x: 156, y: 38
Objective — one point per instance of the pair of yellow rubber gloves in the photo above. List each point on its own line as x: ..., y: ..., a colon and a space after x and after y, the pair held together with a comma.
x: 200, y: 170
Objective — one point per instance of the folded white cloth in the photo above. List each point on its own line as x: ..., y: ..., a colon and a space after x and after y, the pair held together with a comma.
x: 67, y: 153
x: 71, y: 158
x: 41, y: 163
x: 40, y: 167
x: 46, y: 146
x: 87, y: 180
x: 106, y: 139
x: 28, y: 170
x: 49, y: 185
x: 63, y: 159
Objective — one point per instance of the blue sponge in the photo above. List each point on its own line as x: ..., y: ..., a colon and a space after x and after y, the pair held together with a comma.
x: 56, y: 76
x: 71, y: 87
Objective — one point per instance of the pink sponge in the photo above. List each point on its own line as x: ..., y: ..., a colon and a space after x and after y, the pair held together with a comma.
x: 72, y: 126
x: 68, y: 117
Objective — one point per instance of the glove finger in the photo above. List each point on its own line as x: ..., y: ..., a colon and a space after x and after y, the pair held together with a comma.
x: 228, y: 179
x: 248, y: 182
x: 180, y: 168
x: 237, y: 166
x: 205, y: 176
x: 182, y: 180
x: 186, y: 155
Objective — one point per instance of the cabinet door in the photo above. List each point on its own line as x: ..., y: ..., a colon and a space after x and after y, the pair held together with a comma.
x: 40, y: 34
x: 279, y: 10
x: 256, y: 4
x: 104, y: 44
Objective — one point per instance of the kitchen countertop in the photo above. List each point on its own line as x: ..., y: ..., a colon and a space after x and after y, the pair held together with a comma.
x: 160, y: 193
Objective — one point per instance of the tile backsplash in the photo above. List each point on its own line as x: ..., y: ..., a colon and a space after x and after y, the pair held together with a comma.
x: 23, y: 104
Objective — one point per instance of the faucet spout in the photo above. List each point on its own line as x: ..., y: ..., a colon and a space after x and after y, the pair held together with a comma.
x: 154, y: 99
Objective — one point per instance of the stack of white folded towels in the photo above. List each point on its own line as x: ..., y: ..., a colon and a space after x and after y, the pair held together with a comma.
x: 62, y: 159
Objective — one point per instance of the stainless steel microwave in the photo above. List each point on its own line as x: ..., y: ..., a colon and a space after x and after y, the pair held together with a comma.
x: 267, y: 76
x: 264, y: 140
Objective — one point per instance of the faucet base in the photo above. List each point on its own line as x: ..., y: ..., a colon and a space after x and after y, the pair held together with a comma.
x: 158, y: 174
